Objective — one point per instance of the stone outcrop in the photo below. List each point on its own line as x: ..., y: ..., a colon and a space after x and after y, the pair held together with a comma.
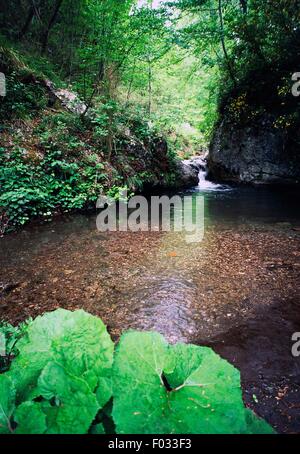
x: 188, y: 171
x: 187, y: 175
x: 258, y: 154
x: 65, y: 99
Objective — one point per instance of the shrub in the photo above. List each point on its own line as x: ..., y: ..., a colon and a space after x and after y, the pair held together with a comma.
x: 67, y: 378
x: 39, y: 189
x: 9, y: 335
x: 23, y: 99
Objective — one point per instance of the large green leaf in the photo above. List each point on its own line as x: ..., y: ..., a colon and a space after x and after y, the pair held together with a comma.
x: 7, y: 403
x: 30, y: 418
x: 207, y: 395
x: 76, y: 340
x: 256, y: 425
x: 63, y: 376
x: 159, y: 388
x: 104, y: 389
x: 140, y: 397
x: 71, y: 406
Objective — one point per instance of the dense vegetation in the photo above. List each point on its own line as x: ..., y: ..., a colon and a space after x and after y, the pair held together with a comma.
x: 66, y: 377
x: 144, y: 70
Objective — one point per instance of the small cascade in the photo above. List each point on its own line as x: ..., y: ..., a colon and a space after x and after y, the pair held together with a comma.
x: 197, y: 165
x: 205, y: 184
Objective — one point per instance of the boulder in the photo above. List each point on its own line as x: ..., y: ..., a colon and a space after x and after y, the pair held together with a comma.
x: 197, y: 162
x: 187, y: 174
x: 257, y: 153
x: 65, y: 98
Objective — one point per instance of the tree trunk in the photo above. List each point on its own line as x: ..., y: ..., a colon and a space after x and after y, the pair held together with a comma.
x: 244, y: 5
x: 27, y: 23
x: 149, y: 88
x: 33, y: 12
x: 98, y: 81
x: 227, y: 59
x: 51, y: 22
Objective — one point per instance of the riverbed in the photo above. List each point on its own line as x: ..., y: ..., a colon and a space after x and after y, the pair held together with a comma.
x: 238, y: 290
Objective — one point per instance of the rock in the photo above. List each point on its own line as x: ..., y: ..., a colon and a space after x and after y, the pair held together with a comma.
x: 187, y: 175
x: 6, y: 288
x: 188, y: 171
x: 197, y: 162
x: 65, y: 98
x: 259, y: 153
x: 148, y: 158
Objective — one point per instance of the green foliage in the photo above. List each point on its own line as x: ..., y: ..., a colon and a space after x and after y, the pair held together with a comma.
x: 30, y: 418
x: 63, y: 163
x: 61, y: 376
x: 64, y: 381
x: 7, y: 403
x: 25, y: 95
x: 9, y: 335
x: 76, y: 341
x: 144, y: 72
x: 121, y: 122
x: 23, y: 99
x: 179, y: 389
x: 75, y: 403
x: 39, y: 188
x: 65, y: 166
x: 255, y: 45
x: 173, y: 63
x: 118, y: 55
x: 119, y: 193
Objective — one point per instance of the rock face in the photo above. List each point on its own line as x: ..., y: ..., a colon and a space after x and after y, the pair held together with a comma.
x: 258, y: 154
x: 143, y: 165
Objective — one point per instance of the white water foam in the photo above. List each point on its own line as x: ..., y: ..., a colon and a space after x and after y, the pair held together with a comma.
x: 206, y: 185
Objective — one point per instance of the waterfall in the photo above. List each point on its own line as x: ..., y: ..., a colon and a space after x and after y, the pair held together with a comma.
x: 205, y: 184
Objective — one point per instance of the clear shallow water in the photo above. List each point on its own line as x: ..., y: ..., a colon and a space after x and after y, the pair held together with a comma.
x: 237, y: 290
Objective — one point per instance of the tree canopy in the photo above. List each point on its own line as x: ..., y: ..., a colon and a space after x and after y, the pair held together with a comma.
x: 146, y: 53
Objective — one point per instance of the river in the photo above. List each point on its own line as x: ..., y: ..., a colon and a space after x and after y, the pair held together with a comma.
x: 236, y: 291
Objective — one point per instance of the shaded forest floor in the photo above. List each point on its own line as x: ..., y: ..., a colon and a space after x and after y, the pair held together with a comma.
x: 236, y: 291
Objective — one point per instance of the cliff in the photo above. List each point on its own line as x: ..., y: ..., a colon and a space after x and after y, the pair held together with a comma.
x: 258, y: 154
x: 257, y: 136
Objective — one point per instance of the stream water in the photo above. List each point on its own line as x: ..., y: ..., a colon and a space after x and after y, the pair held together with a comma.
x: 236, y: 291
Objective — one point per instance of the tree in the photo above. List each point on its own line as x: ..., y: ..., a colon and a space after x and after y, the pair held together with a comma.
x: 52, y: 20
